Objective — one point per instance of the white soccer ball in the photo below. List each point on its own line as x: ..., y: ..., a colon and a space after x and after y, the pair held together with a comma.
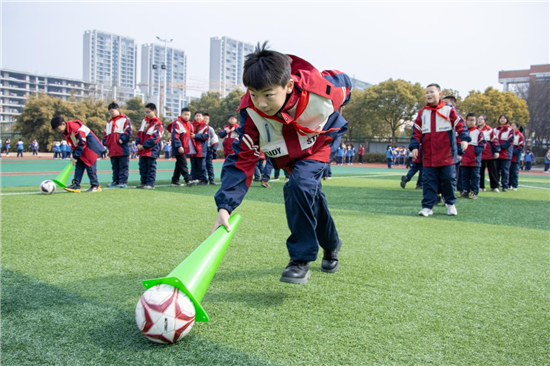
x: 164, y: 314
x: 47, y: 187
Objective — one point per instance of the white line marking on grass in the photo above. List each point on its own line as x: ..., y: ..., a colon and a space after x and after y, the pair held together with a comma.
x: 521, y: 185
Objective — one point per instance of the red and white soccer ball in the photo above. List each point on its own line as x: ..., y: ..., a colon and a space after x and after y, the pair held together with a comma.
x: 164, y: 314
x: 47, y: 187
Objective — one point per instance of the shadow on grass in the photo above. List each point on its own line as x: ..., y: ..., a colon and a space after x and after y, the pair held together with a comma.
x: 47, y: 324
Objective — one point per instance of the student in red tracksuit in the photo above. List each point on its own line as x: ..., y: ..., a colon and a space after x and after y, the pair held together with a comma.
x: 148, y: 144
x: 438, y: 128
x: 290, y: 112
x: 86, y: 149
x: 198, y: 160
x: 505, y: 137
x: 489, y: 156
x: 471, y: 159
x: 118, y: 132
x: 517, y: 149
x: 180, y: 131
x: 229, y: 134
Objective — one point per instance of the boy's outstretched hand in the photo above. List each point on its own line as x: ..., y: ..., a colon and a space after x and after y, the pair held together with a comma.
x: 222, y: 219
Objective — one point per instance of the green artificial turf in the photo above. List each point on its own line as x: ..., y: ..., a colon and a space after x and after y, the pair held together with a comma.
x: 465, y: 290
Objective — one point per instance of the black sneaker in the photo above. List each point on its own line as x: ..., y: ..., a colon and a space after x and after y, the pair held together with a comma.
x: 403, y: 181
x: 464, y: 194
x: 438, y: 200
x: 140, y: 186
x: 202, y: 183
x: 296, y: 272
x: 330, y: 262
x: 418, y: 187
x: 213, y: 183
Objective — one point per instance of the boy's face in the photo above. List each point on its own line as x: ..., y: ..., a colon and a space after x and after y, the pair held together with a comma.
x: 149, y: 113
x: 232, y: 120
x: 186, y: 116
x: 272, y: 98
x: 481, y: 122
x: 61, y: 128
x: 114, y: 112
x: 433, y: 95
x: 207, y: 119
x: 198, y: 117
x: 471, y: 122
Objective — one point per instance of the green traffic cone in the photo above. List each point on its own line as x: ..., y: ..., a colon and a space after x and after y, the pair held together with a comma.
x: 194, y: 274
x: 61, y: 179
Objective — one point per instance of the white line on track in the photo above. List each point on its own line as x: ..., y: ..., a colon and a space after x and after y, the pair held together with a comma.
x: 168, y: 185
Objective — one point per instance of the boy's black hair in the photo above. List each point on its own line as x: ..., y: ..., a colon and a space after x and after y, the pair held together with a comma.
x: 199, y: 112
x: 450, y: 97
x: 264, y: 68
x: 231, y: 116
x: 484, y: 117
x: 434, y: 84
x: 57, y: 121
x: 113, y: 105
x: 206, y: 114
x: 151, y: 106
x: 471, y: 115
x: 185, y: 110
x: 518, y: 125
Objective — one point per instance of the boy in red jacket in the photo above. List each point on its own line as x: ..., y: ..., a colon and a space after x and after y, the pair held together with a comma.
x: 505, y: 137
x: 229, y: 134
x: 489, y: 156
x: 86, y: 149
x: 471, y: 160
x: 198, y: 160
x: 438, y: 128
x: 148, y: 144
x: 180, y: 131
x: 290, y: 112
x: 118, y: 132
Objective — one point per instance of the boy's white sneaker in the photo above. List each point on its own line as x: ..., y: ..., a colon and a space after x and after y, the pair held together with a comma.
x: 451, y: 210
x: 425, y: 212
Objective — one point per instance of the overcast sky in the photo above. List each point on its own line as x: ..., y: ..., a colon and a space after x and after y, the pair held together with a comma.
x: 460, y: 45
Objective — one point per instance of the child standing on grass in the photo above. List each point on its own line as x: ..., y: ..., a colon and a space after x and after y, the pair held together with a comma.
x: 529, y: 160
x: 290, y: 112
x: 180, y: 131
x: 340, y: 152
x: 437, y: 130
x: 547, y: 162
x: 471, y: 160
x: 505, y: 136
x: 86, y: 149
x: 148, y: 141
x: 229, y: 134
x: 116, y: 137
x: 517, y: 150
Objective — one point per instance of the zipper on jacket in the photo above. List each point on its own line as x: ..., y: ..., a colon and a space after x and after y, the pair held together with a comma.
x: 268, y: 134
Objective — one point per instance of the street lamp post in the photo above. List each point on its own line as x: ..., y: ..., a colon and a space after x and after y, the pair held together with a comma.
x: 164, y: 67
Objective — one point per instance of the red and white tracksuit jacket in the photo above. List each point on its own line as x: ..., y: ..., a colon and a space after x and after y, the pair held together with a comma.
x: 230, y: 134
x: 505, y: 138
x: 517, y: 148
x: 118, y: 128
x: 180, y: 131
x: 472, y: 155
x: 85, y: 144
x: 304, y: 129
x: 201, y: 139
x: 149, y: 136
x: 491, y: 146
x: 439, y: 129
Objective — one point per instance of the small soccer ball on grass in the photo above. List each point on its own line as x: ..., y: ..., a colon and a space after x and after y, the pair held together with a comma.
x: 164, y: 314
x: 47, y: 187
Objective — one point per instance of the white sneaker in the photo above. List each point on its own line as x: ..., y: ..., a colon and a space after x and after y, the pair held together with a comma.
x: 451, y: 210
x: 496, y: 190
x: 426, y: 212
x: 514, y: 189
